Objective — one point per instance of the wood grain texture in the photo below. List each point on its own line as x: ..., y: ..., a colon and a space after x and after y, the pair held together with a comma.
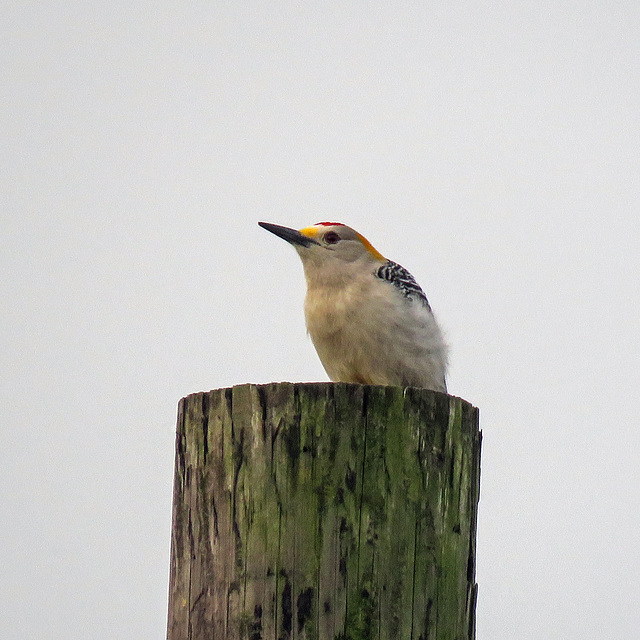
x: 324, y: 512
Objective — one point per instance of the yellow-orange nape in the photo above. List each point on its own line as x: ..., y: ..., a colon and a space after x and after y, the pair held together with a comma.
x: 314, y: 231
x: 370, y: 248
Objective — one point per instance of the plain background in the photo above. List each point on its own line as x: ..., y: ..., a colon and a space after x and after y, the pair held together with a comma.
x: 490, y: 148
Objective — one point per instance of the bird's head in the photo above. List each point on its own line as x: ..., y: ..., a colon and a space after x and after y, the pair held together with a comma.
x: 327, y: 248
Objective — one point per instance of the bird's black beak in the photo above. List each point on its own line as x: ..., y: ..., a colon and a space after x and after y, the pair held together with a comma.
x: 290, y: 235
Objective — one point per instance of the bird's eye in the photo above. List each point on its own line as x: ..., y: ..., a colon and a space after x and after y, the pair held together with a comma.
x: 331, y: 237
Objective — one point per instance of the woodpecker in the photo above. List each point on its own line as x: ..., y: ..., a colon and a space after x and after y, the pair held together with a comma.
x: 368, y: 318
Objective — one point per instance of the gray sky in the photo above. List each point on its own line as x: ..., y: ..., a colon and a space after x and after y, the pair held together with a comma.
x: 490, y: 148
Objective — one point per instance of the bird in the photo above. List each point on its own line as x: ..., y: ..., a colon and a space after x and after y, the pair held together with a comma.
x: 369, y: 320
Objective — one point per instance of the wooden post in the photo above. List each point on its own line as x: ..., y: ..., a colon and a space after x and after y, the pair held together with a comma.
x: 324, y: 512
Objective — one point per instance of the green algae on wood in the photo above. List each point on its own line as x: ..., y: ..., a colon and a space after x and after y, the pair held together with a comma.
x: 324, y: 512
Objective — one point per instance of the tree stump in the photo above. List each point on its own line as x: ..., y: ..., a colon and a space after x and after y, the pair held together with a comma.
x: 324, y: 512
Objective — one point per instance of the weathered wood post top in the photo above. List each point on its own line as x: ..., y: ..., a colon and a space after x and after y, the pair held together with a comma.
x: 324, y: 511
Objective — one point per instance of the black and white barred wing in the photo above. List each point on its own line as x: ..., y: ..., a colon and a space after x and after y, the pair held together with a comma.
x: 401, y: 279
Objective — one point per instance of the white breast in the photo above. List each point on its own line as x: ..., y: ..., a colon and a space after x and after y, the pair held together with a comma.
x: 366, y: 331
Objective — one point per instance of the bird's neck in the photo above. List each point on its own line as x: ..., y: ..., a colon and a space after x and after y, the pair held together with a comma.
x: 335, y: 276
